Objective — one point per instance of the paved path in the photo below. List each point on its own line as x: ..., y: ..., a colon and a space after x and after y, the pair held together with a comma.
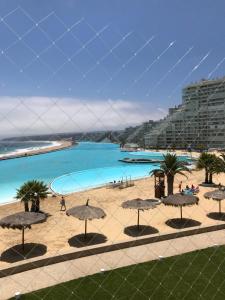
x: 50, y: 275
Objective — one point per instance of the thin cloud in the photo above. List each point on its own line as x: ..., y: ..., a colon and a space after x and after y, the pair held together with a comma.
x: 44, y: 115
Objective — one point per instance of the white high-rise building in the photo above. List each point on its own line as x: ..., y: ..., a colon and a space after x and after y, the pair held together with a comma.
x: 198, y: 122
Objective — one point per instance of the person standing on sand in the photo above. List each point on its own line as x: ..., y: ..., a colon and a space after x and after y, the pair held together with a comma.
x: 63, y: 204
x: 180, y: 187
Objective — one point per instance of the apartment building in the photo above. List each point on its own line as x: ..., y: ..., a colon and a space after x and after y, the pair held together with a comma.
x: 198, y: 122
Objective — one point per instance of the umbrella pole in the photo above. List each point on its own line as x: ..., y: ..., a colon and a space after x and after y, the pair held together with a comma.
x: 23, y: 238
x: 138, y: 219
x: 220, y: 207
x: 85, y: 231
x: 181, y: 214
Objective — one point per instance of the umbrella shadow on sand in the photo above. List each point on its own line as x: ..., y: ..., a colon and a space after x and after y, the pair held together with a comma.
x: 16, y: 253
x: 140, y: 230
x: 179, y: 223
x: 90, y: 239
x: 216, y: 216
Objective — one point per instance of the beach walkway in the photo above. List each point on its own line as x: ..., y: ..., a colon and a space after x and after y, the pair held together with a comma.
x: 61, y: 272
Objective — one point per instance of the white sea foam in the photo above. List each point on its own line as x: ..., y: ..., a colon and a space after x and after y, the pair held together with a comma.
x: 30, y: 149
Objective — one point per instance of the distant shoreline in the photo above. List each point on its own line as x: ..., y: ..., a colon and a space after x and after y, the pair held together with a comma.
x: 26, y: 153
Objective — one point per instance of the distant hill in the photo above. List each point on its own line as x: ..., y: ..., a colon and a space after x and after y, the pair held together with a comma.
x: 97, y: 136
x: 130, y: 134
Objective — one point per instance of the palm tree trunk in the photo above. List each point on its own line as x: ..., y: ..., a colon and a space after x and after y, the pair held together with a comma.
x: 35, y: 207
x: 210, y: 178
x: 170, y: 181
x: 37, y: 204
x: 206, y: 176
x: 26, y: 206
x: 32, y: 206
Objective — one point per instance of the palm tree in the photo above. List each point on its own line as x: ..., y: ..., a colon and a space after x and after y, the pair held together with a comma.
x: 24, y: 196
x: 204, y: 162
x: 171, y: 166
x: 173, y: 147
x: 223, y: 159
x: 33, y: 191
x: 216, y: 167
x: 200, y: 147
x: 211, y: 164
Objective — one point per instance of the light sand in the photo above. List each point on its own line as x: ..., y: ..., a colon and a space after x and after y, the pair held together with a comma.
x: 59, y: 228
x: 61, y: 145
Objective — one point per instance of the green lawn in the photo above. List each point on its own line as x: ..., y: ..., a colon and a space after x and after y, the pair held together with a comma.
x: 196, y: 275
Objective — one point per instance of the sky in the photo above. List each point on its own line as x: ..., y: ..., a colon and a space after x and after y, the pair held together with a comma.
x: 81, y: 65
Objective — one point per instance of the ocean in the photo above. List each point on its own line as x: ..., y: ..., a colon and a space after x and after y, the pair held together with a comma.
x: 13, y: 147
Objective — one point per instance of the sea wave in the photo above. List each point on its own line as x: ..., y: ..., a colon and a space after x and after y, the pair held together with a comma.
x: 20, y: 151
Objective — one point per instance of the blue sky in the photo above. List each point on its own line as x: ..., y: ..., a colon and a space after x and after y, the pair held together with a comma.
x: 138, y: 53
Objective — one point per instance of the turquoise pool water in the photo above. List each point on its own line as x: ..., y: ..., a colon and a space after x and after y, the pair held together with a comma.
x: 80, y: 167
x: 81, y: 180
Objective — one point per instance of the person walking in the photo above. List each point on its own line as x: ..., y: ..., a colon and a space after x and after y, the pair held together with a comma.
x: 180, y: 187
x: 63, y: 203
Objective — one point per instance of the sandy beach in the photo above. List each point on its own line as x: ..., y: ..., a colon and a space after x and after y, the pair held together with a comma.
x: 59, y: 145
x: 59, y: 228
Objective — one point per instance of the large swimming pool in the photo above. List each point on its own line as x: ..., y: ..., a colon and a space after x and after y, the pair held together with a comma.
x: 80, y: 167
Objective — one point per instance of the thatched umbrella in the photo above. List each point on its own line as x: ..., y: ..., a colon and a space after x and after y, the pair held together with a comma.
x: 86, y: 212
x: 22, y: 220
x: 217, y: 195
x: 140, y: 204
x: 180, y: 200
